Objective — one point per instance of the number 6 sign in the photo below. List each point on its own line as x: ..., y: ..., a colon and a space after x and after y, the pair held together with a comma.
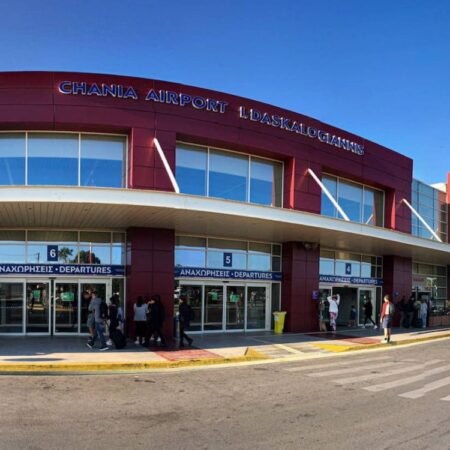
x: 52, y: 253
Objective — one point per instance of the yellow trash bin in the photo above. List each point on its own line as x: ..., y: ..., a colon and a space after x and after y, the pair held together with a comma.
x: 278, y: 321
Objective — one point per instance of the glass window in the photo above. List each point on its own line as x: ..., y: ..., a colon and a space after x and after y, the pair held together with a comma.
x: 12, y: 159
x: 118, y: 254
x: 102, y: 161
x: 258, y: 262
x: 191, y: 167
x: 276, y: 264
x: 373, y: 207
x: 12, y: 235
x: 350, y: 200
x: 11, y: 307
x: 12, y: 253
x: 190, y: 241
x: 348, y: 268
x: 227, y: 245
x: 95, y: 236
x: 52, y: 159
x: 94, y: 254
x: 265, y: 182
x: 228, y: 176
x: 53, y: 236
x: 38, y: 253
x: 190, y: 258
x: 327, y: 208
x: 326, y: 266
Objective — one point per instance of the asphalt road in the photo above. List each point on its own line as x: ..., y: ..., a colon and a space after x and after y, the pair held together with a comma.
x: 396, y: 399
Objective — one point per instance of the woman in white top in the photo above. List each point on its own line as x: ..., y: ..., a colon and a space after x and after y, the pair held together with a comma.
x: 140, y: 320
x: 334, y: 300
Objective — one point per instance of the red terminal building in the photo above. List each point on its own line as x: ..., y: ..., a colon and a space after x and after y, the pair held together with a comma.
x: 139, y: 187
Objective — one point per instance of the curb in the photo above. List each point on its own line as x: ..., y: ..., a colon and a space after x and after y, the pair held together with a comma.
x: 336, y: 348
x: 15, y: 368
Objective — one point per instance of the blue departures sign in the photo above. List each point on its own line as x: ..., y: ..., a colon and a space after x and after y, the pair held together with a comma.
x: 62, y: 269
x: 197, y: 272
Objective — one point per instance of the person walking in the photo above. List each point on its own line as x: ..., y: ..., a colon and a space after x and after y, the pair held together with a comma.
x: 424, y: 313
x: 155, y: 320
x: 333, y: 301
x: 185, y: 315
x: 99, y: 321
x: 387, y: 313
x: 368, y: 311
x: 140, y: 320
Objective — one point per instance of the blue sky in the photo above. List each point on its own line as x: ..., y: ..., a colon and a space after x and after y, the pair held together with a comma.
x: 377, y: 68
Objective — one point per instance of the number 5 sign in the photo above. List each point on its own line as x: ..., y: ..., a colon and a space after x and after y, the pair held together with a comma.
x: 52, y: 253
x: 228, y: 260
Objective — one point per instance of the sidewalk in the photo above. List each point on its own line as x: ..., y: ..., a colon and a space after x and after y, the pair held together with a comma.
x: 29, y: 354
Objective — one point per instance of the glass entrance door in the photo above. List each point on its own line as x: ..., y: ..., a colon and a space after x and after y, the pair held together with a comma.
x: 366, y: 295
x: 235, y: 307
x: 213, y: 308
x: 38, y: 307
x: 65, y: 307
x: 257, y: 307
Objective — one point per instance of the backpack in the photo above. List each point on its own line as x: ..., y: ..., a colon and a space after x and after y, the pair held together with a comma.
x: 103, y: 310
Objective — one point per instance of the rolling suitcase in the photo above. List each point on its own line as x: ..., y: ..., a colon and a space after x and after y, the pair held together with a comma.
x: 118, y: 338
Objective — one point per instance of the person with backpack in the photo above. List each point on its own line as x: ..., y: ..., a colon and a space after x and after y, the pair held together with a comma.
x: 186, y: 314
x: 155, y: 320
x: 100, y: 309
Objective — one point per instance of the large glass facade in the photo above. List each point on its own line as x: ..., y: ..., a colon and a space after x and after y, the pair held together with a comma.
x: 191, y: 251
x: 232, y: 176
x: 431, y: 204
x: 62, y: 159
x: 361, y: 203
x: 70, y: 247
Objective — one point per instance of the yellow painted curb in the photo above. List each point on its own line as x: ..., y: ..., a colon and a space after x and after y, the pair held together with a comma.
x: 250, y: 355
x: 337, y: 348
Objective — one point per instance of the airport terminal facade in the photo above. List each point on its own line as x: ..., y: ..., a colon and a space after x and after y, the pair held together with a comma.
x: 141, y: 187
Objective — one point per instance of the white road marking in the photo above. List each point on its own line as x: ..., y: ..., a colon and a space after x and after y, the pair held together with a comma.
x: 446, y: 399
x: 409, y: 380
x: 387, y: 373
x: 352, y: 369
x: 335, y: 364
x: 427, y: 388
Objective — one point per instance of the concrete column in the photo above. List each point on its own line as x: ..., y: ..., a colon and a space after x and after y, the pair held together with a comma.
x: 300, y: 278
x: 150, y: 270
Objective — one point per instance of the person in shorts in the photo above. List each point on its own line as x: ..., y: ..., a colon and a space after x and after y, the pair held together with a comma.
x: 387, y: 313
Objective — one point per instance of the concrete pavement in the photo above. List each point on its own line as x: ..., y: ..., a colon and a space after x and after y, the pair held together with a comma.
x: 25, y: 354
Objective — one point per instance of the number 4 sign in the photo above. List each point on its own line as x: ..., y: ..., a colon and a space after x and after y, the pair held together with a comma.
x: 52, y: 253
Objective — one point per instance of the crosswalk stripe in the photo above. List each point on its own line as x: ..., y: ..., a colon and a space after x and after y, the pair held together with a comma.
x: 335, y: 364
x: 409, y: 380
x: 386, y: 373
x: 446, y: 399
x: 352, y: 369
x: 427, y: 388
